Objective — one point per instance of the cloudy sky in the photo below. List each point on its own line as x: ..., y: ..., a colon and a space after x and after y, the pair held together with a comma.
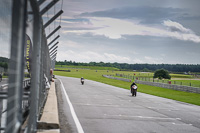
x: 129, y: 31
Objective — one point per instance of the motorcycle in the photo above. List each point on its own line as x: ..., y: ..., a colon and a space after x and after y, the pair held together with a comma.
x: 134, y: 90
x: 82, y: 81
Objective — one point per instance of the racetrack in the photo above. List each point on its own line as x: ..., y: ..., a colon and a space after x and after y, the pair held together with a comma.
x: 102, y: 108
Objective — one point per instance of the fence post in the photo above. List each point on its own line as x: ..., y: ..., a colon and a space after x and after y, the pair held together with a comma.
x: 35, y: 79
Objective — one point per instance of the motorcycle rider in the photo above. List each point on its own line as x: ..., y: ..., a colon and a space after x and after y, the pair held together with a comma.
x: 134, y: 89
x: 82, y: 80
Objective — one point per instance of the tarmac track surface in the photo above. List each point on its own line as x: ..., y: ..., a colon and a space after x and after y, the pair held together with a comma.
x: 101, y: 108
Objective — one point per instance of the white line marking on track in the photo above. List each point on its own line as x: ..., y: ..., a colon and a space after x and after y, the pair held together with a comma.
x: 78, y: 125
x: 87, y: 104
x: 181, y: 124
x: 144, y: 117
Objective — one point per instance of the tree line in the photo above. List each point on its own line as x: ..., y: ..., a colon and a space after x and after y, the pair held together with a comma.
x: 4, y: 62
x: 138, y: 67
x: 125, y: 66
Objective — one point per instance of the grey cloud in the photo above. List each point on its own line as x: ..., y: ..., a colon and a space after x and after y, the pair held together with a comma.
x: 79, y: 28
x: 146, y: 14
x: 187, y: 17
x: 77, y: 20
x: 175, y: 29
x: 88, y: 37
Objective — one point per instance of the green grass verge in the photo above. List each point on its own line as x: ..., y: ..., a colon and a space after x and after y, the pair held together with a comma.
x: 187, y: 97
x: 191, y: 98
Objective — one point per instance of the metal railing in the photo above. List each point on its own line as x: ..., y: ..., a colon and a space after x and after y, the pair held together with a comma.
x: 149, y: 78
x: 23, y: 99
x: 25, y: 102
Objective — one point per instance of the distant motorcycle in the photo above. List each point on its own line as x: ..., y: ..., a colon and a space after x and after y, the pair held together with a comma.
x: 82, y: 81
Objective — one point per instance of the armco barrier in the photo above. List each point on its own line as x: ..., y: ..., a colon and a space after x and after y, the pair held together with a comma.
x: 170, y: 86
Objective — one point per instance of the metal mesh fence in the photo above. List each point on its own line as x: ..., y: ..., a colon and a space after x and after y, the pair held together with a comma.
x: 5, y: 36
x: 24, y: 45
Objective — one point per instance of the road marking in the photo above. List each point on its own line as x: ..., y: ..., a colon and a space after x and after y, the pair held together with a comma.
x: 143, y: 117
x: 181, y: 124
x: 100, y: 105
x: 3, y: 86
x: 78, y: 125
x: 163, y: 109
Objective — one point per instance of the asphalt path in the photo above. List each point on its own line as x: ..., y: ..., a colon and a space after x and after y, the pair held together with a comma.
x: 101, y: 108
